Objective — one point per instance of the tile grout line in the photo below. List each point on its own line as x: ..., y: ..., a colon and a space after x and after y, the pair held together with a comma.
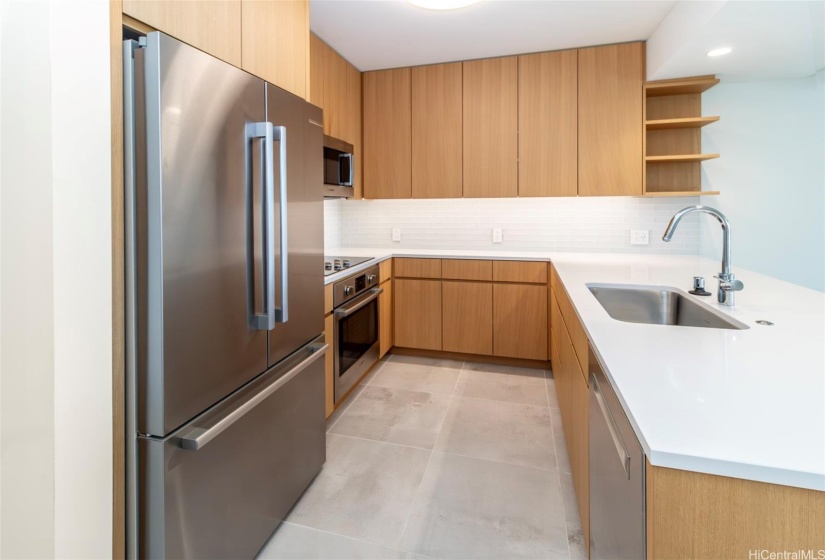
x: 427, y: 467
x: 338, y: 535
x: 355, y: 398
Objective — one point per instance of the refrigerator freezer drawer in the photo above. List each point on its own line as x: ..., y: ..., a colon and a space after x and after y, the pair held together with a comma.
x: 219, y: 486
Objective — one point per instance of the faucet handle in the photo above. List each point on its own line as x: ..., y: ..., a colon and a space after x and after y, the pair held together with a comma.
x: 731, y: 285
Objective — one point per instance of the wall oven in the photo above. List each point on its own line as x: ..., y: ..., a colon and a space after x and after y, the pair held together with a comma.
x: 339, y: 168
x: 356, y: 328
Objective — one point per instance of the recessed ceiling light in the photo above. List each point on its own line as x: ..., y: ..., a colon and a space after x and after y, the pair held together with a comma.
x: 443, y: 4
x: 720, y: 51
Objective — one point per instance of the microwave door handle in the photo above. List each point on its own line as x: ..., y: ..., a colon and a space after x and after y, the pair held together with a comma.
x: 263, y: 130
x: 346, y: 311
x: 348, y: 181
x: 281, y: 312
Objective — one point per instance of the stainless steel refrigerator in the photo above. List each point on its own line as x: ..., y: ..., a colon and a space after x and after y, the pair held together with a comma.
x: 224, y: 302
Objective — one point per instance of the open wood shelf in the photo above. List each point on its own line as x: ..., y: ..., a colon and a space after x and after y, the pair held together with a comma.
x: 684, y: 86
x: 680, y: 193
x: 681, y: 158
x: 670, y: 124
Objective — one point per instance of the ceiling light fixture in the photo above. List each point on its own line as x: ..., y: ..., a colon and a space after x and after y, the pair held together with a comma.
x: 720, y: 51
x: 443, y: 4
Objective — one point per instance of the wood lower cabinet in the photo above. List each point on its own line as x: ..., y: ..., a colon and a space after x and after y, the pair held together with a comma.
x: 329, y: 366
x: 275, y: 42
x: 417, y: 313
x: 213, y: 26
x: 467, y: 324
x: 611, y: 121
x: 385, y: 339
x: 520, y: 321
x: 579, y: 448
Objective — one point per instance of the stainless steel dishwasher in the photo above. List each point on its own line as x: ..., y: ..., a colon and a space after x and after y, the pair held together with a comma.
x: 617, y: 475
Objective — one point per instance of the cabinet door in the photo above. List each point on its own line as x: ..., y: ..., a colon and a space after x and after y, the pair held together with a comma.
x: 436, y: 131
x: 213, y: 26
x: 520, y: 321
x: 417, y: 313
x: 385, y: 319
x: 316, y: 70
x: 547, y: 133
x: 353, y: 132
x: 468, y: 317
x: 329, y: 367
x: 275, y: 42
x: 580, y: 455
x: 611, y: 94
x: 387, y: 134
x: 335, y: 94
x: 491, y: 128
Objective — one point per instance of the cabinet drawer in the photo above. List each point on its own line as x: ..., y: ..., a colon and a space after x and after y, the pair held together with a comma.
x: 463, y: 269
x: 418, y: 268
x: 520, y: 271
x: 384, y: 271
x: 574, y: 326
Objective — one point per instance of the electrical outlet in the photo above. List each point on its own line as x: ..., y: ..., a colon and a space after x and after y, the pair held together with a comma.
x: 497, y: 236
x: 639, y: 237
x: 396, y: 234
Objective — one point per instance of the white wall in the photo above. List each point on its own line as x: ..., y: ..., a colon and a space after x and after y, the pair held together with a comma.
x: 55, y: 280
x: 771, y: 174
x: 600, y: 224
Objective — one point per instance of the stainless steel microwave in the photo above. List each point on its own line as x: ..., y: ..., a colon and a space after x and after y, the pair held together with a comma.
x: 339, y: 168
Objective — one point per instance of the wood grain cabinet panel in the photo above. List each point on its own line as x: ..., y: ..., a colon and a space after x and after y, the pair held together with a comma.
x: 520, y: 271
x: 384, y: 271
x: 580, y: 455
x: 610, y: 120
x: 385, y: 320
x: 387, y: 117
x: 490, y: 127
x: 329, y: 367
x: 418, y: 268
x: 436, y: 131
x: 417, y: 313
x: 547, y: 134
x: 564, y: 384
x: 316, y: 70
x: 336, y: 120
x: 466, y: 269
x: 275, y: 42
x: 467, y: 317
x: 575, y: 330
x: 353, y: 131
x: 520, y: 321
x: 213, y: 26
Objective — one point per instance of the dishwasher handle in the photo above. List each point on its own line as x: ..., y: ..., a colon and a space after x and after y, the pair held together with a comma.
x: 621, y: 450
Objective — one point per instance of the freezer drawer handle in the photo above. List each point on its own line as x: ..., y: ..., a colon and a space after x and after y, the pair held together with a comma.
x: 196, y: 438
x: 624, y: 458
x: 344, y: 311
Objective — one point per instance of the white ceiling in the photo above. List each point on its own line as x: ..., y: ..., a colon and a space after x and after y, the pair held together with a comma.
x: 377, y: 34
x: 771, y: 39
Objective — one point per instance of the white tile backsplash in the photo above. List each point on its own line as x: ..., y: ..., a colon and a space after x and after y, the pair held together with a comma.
x: 600, y: 224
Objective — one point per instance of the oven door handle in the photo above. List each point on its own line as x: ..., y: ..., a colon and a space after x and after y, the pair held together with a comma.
x: 345, y: 311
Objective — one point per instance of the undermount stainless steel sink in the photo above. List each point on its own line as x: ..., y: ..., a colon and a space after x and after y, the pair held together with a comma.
x: 657, y: 305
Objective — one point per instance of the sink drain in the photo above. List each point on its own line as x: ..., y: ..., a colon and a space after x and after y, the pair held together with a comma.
x: 764, y: 322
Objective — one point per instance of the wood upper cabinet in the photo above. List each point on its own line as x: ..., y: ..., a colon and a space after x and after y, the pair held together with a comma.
x: 353, y: 129
x: 467, y: 324
x: 611, y: 122
x: 275, y: 42
x: 336, y: 121
x: 436, y: 131
x: 490, y: 128
x: 317, y: 50
x: 520, y: 321
x: 387, y: 134
x: 417, y: 313
x: 213, y: 26
x: 547, y: 124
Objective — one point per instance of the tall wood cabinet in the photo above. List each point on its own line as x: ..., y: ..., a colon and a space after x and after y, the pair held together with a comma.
x: 491, y: 128
x: 547, y: 124
x: 611, y: 122
x: 387, y: 134
x: 275, y: 42
x: 436, y: 131
x: 214, y: 26
x: 336, y: 103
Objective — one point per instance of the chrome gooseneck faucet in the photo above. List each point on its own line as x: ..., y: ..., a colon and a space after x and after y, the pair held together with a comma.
x: 728, y: 284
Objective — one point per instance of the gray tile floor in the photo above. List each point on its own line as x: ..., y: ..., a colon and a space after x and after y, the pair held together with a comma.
x: 440, y: 459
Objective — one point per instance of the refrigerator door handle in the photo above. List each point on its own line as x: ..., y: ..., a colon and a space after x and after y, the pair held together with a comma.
x: 197, y: 437
x: 282, y: 312
x: 263, y: 130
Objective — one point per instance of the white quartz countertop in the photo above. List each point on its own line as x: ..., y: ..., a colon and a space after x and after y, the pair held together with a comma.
x: 741, y: 403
